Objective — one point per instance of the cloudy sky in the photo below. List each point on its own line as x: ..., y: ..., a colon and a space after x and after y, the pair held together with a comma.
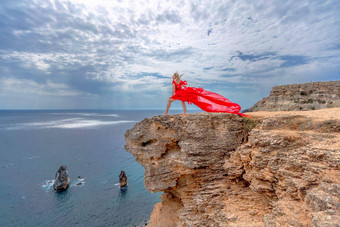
x: 108, y: 54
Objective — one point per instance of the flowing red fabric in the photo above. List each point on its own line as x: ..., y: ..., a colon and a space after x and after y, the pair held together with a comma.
x: 206, y: 100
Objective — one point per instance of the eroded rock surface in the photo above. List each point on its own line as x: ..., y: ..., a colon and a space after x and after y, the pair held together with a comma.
x: 308, y: 96
x: 215, y: 169
x: 62, y: 180
x: 122, y: 179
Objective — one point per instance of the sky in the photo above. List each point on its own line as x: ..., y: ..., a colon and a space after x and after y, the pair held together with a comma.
x: 110, y: 54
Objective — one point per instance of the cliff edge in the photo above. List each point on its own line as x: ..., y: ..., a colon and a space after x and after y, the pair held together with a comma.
x: 218, y: 169
x: 307, y: 96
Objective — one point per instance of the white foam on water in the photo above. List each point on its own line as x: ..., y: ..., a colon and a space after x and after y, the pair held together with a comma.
x: 37, y: 125
x: 88, y: 124
x: 118, y: 184
x: 89, y: 114
x: 33, y: 157
x: 47, y: 185
x: 69, y: 123
x: 7, y: 165
x: 78, y: 182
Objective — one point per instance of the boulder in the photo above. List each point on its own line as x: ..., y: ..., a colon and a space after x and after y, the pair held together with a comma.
x: 122, y: 179
x: 62, y: 180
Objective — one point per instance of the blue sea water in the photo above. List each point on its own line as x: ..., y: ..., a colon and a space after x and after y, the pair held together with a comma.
x: 33, y: 145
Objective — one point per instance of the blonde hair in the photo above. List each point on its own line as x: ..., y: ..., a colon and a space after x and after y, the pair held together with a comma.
x: 178, y: 77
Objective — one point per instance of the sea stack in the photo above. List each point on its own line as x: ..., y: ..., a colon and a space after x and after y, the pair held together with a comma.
x: 62, y: 181
x: 122, y: 179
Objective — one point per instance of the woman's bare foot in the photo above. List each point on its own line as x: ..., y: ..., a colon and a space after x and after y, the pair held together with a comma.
x: 184, y: 115
x: 165, y: 114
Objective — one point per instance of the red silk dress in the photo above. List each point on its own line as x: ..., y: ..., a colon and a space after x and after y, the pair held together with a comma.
x: 206, y: 100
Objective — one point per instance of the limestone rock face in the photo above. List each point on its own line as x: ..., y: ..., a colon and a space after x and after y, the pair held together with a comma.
x: 62, y: 180
x: 308, y: 96
x: 215, y: 170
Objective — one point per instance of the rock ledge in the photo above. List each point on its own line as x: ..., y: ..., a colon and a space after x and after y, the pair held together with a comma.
x: 215, y: 170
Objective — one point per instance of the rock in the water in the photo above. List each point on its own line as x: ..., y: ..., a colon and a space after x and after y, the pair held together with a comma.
x: 62, y: 181
x: 122, y: 179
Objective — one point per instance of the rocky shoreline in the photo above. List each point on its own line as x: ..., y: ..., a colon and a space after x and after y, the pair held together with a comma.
x: 216, y: 169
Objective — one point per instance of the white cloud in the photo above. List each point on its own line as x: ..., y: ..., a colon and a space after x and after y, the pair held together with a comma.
x: 113, y: 41
x: 10, y: 86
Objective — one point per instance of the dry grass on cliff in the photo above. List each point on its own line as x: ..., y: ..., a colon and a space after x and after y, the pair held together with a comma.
x: 317, y: 115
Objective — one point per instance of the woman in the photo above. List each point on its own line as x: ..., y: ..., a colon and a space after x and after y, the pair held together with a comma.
x: 206, y: 100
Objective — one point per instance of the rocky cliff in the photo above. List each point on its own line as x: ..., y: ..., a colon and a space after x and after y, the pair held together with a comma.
x: 220, y: 169
x: 308, y: 96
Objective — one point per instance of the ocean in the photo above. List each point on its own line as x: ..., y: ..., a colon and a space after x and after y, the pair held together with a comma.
x: 34, y: 144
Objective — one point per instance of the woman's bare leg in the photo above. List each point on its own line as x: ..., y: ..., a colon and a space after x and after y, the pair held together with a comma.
x: 184, y: 109
x: 168, y: 106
